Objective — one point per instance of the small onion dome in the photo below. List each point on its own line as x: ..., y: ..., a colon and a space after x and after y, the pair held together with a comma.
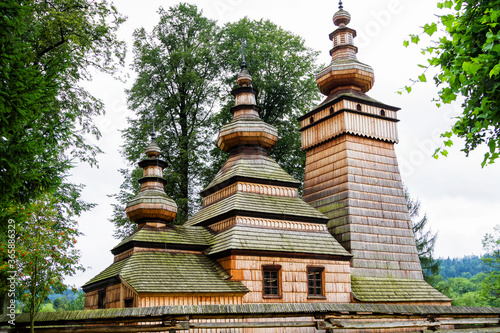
x: 344, y: 73
x: 151, y: 206
x: 341, y: 18
x: 244, y: 78
x: 152, y: 150
x: 247, y: 131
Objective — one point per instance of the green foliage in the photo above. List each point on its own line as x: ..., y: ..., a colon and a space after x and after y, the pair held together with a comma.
x: 46, y: 49
x: 425, y: 239
x: 46, y: 234
x: 467, y: 266
x: 467, y: 56
x: 186, y: 66
x: 63, y: 304
x: 491, y: 284
x: 473, y: 288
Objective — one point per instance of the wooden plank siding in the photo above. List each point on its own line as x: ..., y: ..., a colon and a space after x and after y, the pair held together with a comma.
x: 293, y: 273
x: 337, y: 120
x: 355, y: 182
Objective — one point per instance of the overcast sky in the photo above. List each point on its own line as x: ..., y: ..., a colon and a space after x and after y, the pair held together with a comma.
x: 462, y: 200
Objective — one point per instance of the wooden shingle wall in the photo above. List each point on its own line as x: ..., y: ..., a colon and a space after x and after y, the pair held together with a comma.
x: 248, y: 270
x: 356, y: 183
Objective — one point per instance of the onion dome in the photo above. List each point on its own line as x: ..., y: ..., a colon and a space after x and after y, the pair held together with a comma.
x: 152, y: 206
x: 246, y: 128
x: 345, y: 71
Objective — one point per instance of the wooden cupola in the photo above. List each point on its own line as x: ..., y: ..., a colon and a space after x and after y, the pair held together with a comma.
x: 152, y: 206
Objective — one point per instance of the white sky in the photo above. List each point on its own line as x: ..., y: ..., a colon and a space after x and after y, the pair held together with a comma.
x: 461, y: 199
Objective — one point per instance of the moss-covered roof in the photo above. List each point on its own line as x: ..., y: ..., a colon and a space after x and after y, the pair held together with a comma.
x: 163, y: 272
x: 248, y: 166
x: 175, y: 234
x: 375, y: 289
x: 242, y: 237
x: 285, y: 208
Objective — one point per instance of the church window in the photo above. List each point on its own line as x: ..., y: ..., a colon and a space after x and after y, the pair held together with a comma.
x: 382, y: 113
x: 311, y: 120
x: 315, y: 281
x: 272, y: 281
x: 358, y: 107
x: 101, y: 299
x: 331, y: 110
x: 129, y: 302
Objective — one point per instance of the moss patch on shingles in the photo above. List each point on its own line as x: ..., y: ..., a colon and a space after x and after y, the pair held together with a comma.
x: 374, y: 289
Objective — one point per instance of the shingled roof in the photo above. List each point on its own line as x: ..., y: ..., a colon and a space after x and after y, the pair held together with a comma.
x: 173, y: 234
x: 249, y: 204
x: 385, y: 289
x: 263, y: 168
x: 163, y: 272
x: 242, y: 237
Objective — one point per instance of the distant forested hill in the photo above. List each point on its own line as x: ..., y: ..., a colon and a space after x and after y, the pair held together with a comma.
x: 461, y: 267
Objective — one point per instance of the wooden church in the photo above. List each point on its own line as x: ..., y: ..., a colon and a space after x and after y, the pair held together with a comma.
x: 349, y: 239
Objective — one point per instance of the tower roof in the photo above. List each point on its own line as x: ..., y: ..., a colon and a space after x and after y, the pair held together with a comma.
x: 345, y: 71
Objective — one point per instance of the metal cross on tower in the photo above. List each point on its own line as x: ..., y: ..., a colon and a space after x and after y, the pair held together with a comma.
x: 243, y: 44
x: 340, y: 5
x: 153, y: 133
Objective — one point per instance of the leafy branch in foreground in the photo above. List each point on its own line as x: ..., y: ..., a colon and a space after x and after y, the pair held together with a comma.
x: 467, y: 57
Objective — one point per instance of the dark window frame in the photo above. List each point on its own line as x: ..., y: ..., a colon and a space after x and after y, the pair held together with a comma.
x: 273, y: 281
x: 101, y: 299
x: 128, y: 302
x: 315, y: 289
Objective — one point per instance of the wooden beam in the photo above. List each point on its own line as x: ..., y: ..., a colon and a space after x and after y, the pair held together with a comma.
x: 255, y: 324
x: 469, y: 321
x: 105, y: 329
x: 381, y: 324
x: 467, y: 330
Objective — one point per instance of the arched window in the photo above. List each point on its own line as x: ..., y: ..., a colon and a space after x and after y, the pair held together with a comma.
x: 311, y: 120
x: 382, y: 113
x: 331, y: 110
x: 358, y: 107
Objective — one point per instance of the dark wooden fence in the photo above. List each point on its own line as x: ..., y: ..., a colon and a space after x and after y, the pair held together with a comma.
x: 321, y: 316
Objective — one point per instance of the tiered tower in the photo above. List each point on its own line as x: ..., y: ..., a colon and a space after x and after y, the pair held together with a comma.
x: 352, y: 176
x: 265, y: 235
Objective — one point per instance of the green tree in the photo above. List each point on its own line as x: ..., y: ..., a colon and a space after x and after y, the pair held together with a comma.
x: 466, y: 54
x: 491, y: 284
x: 425, y: 239
x: 45, y: 247
x: 46, y: 49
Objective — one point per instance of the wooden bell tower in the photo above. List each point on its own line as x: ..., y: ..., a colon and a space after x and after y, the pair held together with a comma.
x: 352, y: 173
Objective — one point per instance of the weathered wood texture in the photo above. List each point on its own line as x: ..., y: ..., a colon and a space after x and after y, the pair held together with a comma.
x: 267, y: 224
x: 250, y: 188
x: 115, y: 297
x: 327, y: 125
x: 356, y: 183
x: 147, y: 301
x: 293, y: 274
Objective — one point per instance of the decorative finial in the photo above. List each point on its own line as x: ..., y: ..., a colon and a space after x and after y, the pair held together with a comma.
x: 340, y: 5
x: 153, y: 133
x: 243, y: 44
